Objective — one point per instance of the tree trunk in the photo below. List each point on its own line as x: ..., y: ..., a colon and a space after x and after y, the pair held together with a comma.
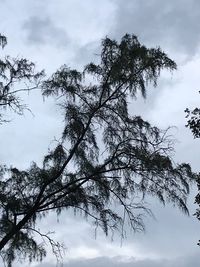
x: 16, y: 229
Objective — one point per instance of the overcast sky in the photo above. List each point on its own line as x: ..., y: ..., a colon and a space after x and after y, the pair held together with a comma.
x: 53, y: 33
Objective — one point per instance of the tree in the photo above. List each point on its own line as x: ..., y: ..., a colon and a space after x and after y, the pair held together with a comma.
x: 14, y: 71
x: 106, y: 155
x: 193, y: 123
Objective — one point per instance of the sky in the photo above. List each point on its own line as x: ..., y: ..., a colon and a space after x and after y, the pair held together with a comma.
x: 53, y: 33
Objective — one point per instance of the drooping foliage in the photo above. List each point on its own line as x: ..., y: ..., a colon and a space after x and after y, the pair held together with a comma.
x: 16, y: 75
x: 107, y: 156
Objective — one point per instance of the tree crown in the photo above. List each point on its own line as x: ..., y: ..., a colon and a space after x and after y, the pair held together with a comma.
x: 106, y: 155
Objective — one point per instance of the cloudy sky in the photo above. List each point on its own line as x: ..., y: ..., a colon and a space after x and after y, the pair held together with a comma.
x: 52, y: 33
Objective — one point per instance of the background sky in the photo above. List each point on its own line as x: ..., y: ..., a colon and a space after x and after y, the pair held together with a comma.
x: 53, y: 33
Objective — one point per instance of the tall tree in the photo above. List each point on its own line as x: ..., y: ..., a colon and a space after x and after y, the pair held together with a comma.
x: 106, y: 155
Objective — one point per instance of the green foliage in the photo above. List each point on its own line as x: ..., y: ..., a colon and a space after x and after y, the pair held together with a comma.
x: 107, y: 156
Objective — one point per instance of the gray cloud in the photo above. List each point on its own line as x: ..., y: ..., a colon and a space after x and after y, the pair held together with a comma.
x: 172, y: 23
x: 118, y: 262
x: 174, y: 26
x: 44, y: 31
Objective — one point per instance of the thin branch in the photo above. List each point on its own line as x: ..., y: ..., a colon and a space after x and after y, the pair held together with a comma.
x: 56, y: 247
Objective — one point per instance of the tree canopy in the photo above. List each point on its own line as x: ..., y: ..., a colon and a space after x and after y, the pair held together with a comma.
x: 16, y: 75
x: 106, y: 154
x: 193, y: 123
